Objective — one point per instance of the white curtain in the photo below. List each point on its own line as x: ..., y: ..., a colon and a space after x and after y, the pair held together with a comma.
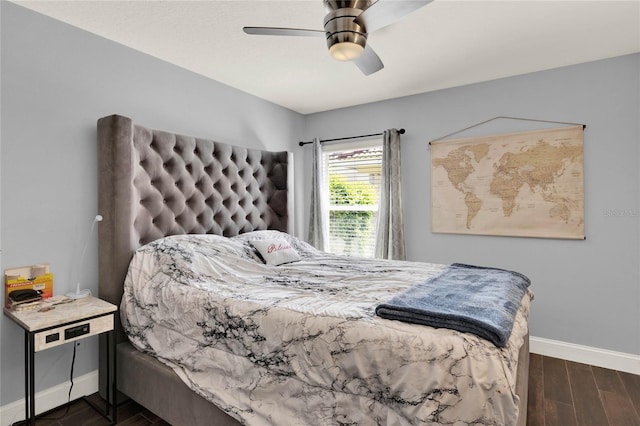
x: 318, y: 229
x: 390, y: 230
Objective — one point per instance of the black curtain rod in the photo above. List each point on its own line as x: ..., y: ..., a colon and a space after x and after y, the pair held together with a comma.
x: 401, y: 131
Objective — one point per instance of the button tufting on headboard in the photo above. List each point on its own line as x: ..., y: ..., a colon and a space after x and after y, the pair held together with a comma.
x: 192, y: 182
x: 153, y: 184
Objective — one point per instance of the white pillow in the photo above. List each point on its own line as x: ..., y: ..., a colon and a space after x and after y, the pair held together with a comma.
x: 276, y: 251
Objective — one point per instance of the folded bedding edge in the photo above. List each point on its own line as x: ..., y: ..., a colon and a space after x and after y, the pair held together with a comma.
x: 422, y: 304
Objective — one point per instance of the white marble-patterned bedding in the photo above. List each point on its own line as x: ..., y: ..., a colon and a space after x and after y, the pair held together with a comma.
x: 299, y: 343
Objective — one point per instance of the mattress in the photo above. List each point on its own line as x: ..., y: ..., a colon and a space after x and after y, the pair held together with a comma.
x: 299, y: 343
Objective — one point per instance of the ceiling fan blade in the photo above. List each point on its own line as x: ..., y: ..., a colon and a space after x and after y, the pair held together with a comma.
x: 386, y: 12
x: 369, y: 62
x: 273, y: 31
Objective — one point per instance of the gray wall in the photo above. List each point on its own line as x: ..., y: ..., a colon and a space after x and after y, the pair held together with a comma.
x: 587, y: 292
x: 56, y: 82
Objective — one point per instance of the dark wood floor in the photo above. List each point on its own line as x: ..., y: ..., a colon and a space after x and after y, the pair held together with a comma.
x: 82, y: 414
x: 564, y: 393
x: 561, y: 393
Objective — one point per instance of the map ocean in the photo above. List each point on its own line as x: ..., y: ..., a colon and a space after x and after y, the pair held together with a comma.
x: 528, y: 184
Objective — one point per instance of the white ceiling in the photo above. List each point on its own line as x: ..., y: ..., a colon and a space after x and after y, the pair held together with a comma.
x: 444, y: 44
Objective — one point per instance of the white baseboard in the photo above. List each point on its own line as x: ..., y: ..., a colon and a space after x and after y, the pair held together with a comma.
x: 585, y: 354
x: 53, y: 397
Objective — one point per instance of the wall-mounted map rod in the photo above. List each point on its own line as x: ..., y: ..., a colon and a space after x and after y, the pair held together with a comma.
x: 506, y: 118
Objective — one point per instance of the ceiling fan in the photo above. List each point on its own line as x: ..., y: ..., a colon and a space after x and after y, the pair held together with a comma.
x: 347, y: 25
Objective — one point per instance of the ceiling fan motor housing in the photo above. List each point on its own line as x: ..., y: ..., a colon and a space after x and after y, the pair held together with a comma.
x: 339, y: 23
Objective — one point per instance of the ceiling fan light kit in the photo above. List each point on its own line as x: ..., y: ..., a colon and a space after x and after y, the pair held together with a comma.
x: 346, y: 39
x: 346, y: 25
x: 346, y: 51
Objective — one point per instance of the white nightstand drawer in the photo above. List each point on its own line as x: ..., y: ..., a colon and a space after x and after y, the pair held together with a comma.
x: 70, y: 332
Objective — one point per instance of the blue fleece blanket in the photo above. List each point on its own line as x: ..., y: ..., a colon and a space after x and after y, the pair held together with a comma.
x: 467, y: 298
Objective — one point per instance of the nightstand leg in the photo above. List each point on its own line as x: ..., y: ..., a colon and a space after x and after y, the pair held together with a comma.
x: 110, y: 407
x: 29, y: 379
x: 112, y: 392
x: 26, y: 376
x: 114, y: 395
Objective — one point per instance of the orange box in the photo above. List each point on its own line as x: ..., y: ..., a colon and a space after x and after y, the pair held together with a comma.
x: 34, y: 277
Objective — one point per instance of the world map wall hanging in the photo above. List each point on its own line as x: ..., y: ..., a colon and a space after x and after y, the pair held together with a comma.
x: 527, y: 184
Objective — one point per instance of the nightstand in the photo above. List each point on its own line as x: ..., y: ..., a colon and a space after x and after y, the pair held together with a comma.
x: 66, y: 323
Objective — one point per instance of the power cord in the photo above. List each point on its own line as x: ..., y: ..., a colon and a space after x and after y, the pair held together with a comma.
x: 73, y: 362
x: 68, y: 404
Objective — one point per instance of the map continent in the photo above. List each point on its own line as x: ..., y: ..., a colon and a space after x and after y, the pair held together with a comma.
x: 520, y: 184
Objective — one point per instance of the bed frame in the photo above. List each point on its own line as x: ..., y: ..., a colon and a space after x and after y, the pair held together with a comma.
x: 153, y: 184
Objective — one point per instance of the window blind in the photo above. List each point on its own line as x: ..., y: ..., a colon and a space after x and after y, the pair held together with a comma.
x: 352, y: 171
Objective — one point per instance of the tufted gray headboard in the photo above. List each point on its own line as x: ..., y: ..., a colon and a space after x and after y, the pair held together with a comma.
x: 154, y: 184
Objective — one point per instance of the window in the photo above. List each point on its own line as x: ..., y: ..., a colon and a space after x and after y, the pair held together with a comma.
x: 352, y: 172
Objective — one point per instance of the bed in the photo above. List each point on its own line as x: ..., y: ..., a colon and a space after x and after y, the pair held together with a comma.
x: 154, y: 184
